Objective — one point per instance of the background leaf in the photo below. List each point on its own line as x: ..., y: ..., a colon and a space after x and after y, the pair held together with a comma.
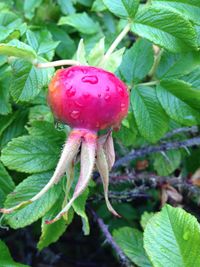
x: 117, y: 7
x: 57, y: 228
x: 151, y: 119
x: 6, y: 259
x: 159, y: 25
x: 24, y: 191
x: 167, y: 162
x: 131, y: 242
x: 16, y: 48
x: 28, y: 80
x: 30, y: 154
x: 188, y: 8
x: 170, y: 236
x: 30, y: 6
x: 177, y: 109
x: 137, y: 61
x: 82, y: 22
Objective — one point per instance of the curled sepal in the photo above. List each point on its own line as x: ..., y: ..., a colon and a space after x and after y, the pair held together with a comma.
x: 102, y: 166
x: 106, y: 141
x: 88, y: 151
x: 70, y: 150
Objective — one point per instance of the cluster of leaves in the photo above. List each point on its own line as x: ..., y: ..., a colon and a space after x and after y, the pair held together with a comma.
x: 161, y: 65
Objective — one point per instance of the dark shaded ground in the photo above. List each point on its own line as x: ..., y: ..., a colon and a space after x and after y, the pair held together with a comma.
x: 70, y: 251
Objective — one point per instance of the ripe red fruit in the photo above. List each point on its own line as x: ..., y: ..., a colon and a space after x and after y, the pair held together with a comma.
x: 88, y: 97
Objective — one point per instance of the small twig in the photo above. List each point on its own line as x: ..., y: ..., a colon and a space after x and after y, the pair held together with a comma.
x: 156, y: 63
x: 149, y: 83
x: 104, y: 228
x: 115, y: 43
x: 57, y: 63
x: 123, y: 196
x: 158, y: 148
x: 193, y: 130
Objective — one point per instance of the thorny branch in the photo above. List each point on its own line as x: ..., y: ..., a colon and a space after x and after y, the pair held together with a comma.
x: 104, y: 228
x: 135, y: 153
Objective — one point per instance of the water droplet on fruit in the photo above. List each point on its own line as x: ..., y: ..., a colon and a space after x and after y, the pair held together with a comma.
x: 107, y: 88
x: 78, y: 104
x: 70, y: 73
x: 107, y: 97
x: 123, y: 107
x: 71, y: 91
x: 75, y: 114
x: 84, y: 71
x: 120, y: 90
x: 90, y: 79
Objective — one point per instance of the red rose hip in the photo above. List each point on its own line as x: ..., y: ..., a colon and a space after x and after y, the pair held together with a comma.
x: 88, y: 97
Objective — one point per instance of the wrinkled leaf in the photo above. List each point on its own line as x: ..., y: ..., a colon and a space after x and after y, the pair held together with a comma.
x: 172, y: 238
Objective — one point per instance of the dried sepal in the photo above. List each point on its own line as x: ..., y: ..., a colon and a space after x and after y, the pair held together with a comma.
x: 102, y: 166
x: 88, y: 151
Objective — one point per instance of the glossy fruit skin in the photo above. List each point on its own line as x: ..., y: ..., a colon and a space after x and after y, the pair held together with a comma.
x: 88, y: 97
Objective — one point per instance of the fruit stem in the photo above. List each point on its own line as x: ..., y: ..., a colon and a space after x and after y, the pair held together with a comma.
x: 57, y: 63
x: 116, y: 42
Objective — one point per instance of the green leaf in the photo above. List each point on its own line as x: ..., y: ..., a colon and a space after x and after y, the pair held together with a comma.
x: 167, y: 162
x: 10, y: 24
x: 57, y: 228
x: 98, y: 6
x: 117, y: 7
x: 172, y: 238
x: 24, y: 191
x: 66, y: 6
x: 113, y: 61
x: 28, y: 80
x: 151, y: 119
x: 159, y: 25
x: 79, y: 207
x: 15, y: 128
x: 42, y: 43
x: 5, y: 121
x: 30, y: 154
x: 16, y: 48
x: 81, y: 54
x: 188, y: 8
x: 40, y: 113
x: 66, y: 47
x: 146, y: 216
x: 6, y: 183
x: 47, y: 129
x: 96, y: 54
x: 30, y: 6
x: 131, y: 242
x: 5, y: 106
x: 176, y: 65
x: 81, y: 22
x: 131, y: 7
x: 184, y: 91
x: 177, y: 109
x: 193, y: 78
x: 6, y: 258
x: 137, y: 61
